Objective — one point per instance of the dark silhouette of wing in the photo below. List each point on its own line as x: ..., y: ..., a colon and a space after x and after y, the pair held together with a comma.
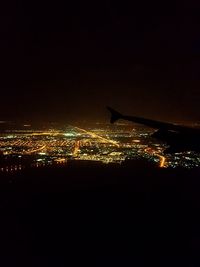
x: 179, y: 138
x: 115, y: 115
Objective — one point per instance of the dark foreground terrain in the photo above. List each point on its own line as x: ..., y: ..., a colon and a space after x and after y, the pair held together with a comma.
x: 96, y: 215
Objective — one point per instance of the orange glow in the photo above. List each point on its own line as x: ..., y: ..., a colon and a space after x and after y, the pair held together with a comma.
x: 76, y: 148
x: 162, y: 161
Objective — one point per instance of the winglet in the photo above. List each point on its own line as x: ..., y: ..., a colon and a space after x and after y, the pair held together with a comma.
x: 114, y: 115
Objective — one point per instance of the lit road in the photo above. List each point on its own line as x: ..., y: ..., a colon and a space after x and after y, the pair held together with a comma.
x: 162, y: 163
x: 52, y: 133
x: 105, y: 140
x: 76, y: 148
x: 35, y: 150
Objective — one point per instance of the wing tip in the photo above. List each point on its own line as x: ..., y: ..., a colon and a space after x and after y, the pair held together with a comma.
x: 115, y: 115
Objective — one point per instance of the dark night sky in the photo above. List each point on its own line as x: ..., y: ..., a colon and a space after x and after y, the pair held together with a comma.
x: 67, y: 60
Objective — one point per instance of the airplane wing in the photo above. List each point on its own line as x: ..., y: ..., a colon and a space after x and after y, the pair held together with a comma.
x: 115, y: 115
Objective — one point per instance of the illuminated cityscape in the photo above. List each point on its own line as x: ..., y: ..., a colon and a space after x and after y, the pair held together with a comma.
x: 100, y: 142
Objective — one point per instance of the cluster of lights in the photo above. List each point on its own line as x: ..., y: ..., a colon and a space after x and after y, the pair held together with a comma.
x: 106, y: 144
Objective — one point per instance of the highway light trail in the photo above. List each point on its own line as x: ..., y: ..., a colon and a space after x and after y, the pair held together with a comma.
x: 44, y: 133
x: 106, y: 140
x: 162, y: 161
x: 35, y: 150
x: 76, y: 148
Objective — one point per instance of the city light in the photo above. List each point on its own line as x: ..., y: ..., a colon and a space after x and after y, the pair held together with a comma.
x: 107, y: 144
